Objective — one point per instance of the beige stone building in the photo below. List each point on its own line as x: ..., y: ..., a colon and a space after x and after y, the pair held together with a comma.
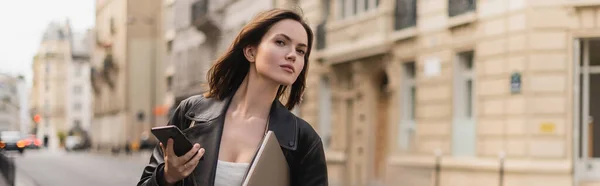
x: 186, y: 55
x: 50, y: 66
x: 125, y: 78
x: 10, y: 103
x: 396, y: 83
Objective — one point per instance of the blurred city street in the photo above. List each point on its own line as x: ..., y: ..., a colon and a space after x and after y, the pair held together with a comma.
x: 50, y: 168
x: 401, y: 92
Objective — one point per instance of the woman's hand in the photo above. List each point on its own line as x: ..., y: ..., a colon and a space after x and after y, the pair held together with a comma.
x: 177, y: 168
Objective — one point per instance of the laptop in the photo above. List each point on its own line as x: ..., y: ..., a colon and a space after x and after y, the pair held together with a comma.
x: 270, y: 168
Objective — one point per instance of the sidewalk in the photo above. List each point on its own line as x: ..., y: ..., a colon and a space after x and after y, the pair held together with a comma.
x: 3, y: 181
x: 24, y: 180
x: 20, y: 180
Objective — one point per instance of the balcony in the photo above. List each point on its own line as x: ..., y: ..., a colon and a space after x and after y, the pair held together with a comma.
x: 110, y: 70
x: 202, y: 19
x: 458, y: 7
x: 405, y: 14
x: 94, y: 79
x: 321, y: 36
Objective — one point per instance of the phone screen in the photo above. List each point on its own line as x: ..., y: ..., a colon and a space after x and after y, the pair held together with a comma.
x: 181, y: 143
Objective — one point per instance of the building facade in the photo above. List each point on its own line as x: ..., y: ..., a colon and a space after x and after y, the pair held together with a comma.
x: 456, y: 92
x: 10, y: 103
x: 48, y: 98
x: 124, y: 71
x: 187, y: 61
x: 25, y: 119
x: 79, y: 91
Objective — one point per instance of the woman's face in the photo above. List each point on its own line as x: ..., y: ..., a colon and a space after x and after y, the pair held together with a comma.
x: 280, y: 54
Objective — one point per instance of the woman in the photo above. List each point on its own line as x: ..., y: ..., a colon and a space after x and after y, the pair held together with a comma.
x: 267, y: 60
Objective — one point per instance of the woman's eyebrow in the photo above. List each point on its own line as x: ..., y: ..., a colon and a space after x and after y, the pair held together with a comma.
x: 290, y: 39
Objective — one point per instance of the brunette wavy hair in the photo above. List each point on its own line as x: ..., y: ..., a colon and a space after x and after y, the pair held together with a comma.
x: 230, y: 69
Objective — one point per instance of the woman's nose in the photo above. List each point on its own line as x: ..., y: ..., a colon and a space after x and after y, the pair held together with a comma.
x: 291, y: 57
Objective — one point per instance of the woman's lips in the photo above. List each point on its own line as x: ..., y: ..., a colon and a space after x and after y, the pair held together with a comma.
x: 288, y: 68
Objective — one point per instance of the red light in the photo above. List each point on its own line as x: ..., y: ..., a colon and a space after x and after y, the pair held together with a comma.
x: 37, y: 118
x: 21, y: 144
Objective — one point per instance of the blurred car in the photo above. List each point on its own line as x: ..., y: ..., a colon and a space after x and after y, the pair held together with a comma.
x: 74, y: 143
x: 147, y: 143
x: 32, y: 142
x: 12, y: 141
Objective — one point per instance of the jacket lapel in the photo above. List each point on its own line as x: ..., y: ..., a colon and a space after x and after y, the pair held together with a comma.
x: 283, y: 123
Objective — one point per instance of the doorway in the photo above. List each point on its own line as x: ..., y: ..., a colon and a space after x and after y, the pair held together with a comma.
x: 587, y: 109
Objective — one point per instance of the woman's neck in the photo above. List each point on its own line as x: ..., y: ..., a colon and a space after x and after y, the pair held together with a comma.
x: 254, y: 97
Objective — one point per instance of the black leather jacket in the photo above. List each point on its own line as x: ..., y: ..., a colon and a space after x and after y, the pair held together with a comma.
x: 300, y: 143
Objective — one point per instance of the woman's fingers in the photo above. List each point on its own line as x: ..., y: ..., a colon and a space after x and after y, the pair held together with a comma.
x: 170, y: 151
x: 162, y: 147
x: 191, y: 165
x: 190, y: 154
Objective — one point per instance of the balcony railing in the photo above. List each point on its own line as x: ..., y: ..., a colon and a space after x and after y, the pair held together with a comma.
x: 110, y: 70
x: 321, y: 36
x: 199, y: 9
x: 457, y: 7
x: 94, y: 80
x: 405, y: 14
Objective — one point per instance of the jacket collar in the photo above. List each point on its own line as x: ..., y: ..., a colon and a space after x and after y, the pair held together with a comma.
x: 281, y: 121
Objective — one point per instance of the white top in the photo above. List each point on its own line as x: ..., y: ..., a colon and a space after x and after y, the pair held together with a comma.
x: 230, y: 174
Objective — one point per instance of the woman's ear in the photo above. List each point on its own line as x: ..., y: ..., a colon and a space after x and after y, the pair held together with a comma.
x: 250, y: 53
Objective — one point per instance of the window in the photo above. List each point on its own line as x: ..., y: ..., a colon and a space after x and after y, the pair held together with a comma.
x: 169, y: 83
x: 408, y: 103
x: 169, y: 46
x: 342, y: 9
x: 325, y: 9
x: 458, y: 7
x: 348, y: 8
x: 113, y: 29
x: 77, y: 106
x: 405, y: 14
x: 77, y: 89
x: 47, y: 106
x: 78, y: 69
x: 464, y: 133
x: 325, y: 111
x: 354, y: 7
x: 76, y: 123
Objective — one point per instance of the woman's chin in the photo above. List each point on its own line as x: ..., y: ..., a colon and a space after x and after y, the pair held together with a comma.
x: 284, y: 82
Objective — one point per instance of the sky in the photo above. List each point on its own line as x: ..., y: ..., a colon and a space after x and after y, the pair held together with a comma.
x: 23, y: 23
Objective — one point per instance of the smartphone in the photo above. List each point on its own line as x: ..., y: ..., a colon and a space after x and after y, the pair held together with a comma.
x: 181, y: 143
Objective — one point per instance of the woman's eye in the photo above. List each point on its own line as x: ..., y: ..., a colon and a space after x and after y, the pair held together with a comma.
x: 301, y: 52
x: 280, y: 42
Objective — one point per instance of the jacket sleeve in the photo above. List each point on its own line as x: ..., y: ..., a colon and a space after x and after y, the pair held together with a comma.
x: 312, y: 168
x: 153, y: 172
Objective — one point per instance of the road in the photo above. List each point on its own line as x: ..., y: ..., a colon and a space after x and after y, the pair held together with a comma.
x: 45, y: 168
